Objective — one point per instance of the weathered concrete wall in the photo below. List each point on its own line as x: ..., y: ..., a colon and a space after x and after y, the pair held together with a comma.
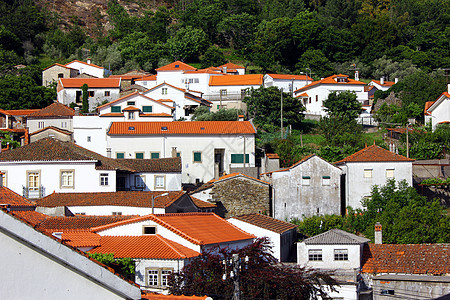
x: 241, y: 196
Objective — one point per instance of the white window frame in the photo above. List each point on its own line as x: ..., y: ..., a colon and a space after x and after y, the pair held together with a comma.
x: 63, y: 124
x: 164, y: 91
x: 41, y: 124
x: 104, y: 179
x: 315, y: 255
x: 340, y: 254
x: 67, y: 179
x: 368, y: 173
x: 326, y: 180
x: 390, y: 173
x: 306, y: 180
x: 36, y: 182
x: 153, y: 274
x: 5, y: 178
x: 139, y: 181
x: 160, y: 182
x: 131, y: 115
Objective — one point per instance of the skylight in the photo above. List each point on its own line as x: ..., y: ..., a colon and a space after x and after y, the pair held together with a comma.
x: 130, y: 128
x: 164, y: 128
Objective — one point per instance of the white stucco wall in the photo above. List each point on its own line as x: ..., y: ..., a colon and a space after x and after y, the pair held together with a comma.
x: 143, y: 264
x: 204, y: 170
x: 170, y: 77
x: 90, y: 132
x: 68, y: 95
x: 328, y: 262
x: 284, y: 83
x: 62, y: 123
x: 108, y: 210
x: 86, y: 177
x: 357, y: 187
x: 441, y: 113
x: 203, y: 195
x: 86, y: 69
x: 344, y: 291
x: 172, y: 181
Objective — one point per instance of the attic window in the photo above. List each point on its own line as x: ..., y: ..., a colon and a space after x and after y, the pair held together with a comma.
x: 202, y: 128
x: 177, y: 66
x: 164, y: 128
x: 131, y: 128
x: 148, y: 230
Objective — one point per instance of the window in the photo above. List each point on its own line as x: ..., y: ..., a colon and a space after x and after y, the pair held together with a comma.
x: 367, y: 173
x: 154, y: 155
x: 325, y: 180
x: 152, y: 277
x: 164, y: 91
x: 340, y: 254
x: 239, y: 158
x: 4, y: 177
x: 148, y: 229
x: 120, y: 155
x: 306, y: 180
x: 107, y: 93
x: 60, y: 75
x: 315, y: 254
x: 131, y: 115
x: 67, y: 179
x: 178, y: 154
x: 158, y: 277
x: 40, y: 124
x: 139, y: 181
x: 104, y: 180
x: 63, y: 124
x: 91, y: 93
x: 139, y: 155
x: 317, y: 98
x: 160, y: 182
x: 33, y: 181
x: 165, y: 273
x: 223, y: 92
x: 131, y: 102
x: 389, y: 173
x: 147, y: 109
x: 116, y: 109
x: 88, y: 138
x: 197, y: 157
x: 116, y: 213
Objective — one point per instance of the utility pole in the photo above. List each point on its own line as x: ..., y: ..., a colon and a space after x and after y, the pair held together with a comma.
x: 236, y: 268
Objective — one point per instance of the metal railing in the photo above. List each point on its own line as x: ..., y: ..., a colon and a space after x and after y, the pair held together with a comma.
x: 33, y: 193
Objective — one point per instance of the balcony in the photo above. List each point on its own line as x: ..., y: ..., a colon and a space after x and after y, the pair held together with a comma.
x: 33, y: 192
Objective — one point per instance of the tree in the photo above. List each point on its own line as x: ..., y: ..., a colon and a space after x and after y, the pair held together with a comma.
x: 202, y: 113
x: 187, y: 44
x: 124, y: 266
x: 85, y: 107
x: 213, y: 56
x: 261, y: 277
x: 316, y: 61
x: 237, y: 31
x: 264, y: 104
x: 342, y: 105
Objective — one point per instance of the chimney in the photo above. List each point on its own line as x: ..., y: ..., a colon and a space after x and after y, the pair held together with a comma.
x: 88, y: 60
x: 224, y: 70
x: 241, y: 117
x: 396, y: 80
x: 357, y: 75
x: 108, y: 152
x: 77, y: 110
x: 1, y: 179
x: 174, y: 151
x: 378, y: 233
x: 382, y: 80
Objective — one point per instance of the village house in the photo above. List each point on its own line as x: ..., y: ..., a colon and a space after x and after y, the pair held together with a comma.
x: 382, y: 85
x: 282, y: 235
x: 287, y: 82
x: 438, y: 111
x: 55, y: 115
x: 219, y: 146
x: 314, y: 94
x: 147, y: 82
x: 371, y: 166
x: 48, y: 165
x: 14, y: 124
x: 310, y: 187
x: 100, y: 90
x: 121, y: 203
x: 236, y: 194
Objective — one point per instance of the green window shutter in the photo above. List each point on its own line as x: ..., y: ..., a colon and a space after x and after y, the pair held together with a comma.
x: 326, y: 177
x: 247, y: 158
x: 140, y: 155
x: 239, y: 158
x: 178, y: 154
x: 120, y: 155
x: 197, y: 156
x: 115, y: 109
x: 147, y: 109
x: 154, y: 155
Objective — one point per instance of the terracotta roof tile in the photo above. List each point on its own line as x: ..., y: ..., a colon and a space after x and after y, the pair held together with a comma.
x: 202, y: 204
x: 176, y: 66
x: 59, y: 65
x: 55, y: 109
x: 144, y: 246
x: 56, y: 224
x: 121, y: 198
x: 427, y: 106
x: 272, y: 155
x: 231, y: 66
x: 63, y: 131
x: 291, y: 77
x: 180, y: 127
x: 91, y: 82
x: 9, y: 197
x: 198, y: 228
x: 331, y: 80
x: 236, y: 175
x: 147, y: 78
x: 21, y: 112
x: 249, y: 79
x: 374, y: 153
x: 410, y: 259
x: 33, y: 218
x: 129, y: 96
x: 81, y: 238
x: 266, y: 222
x: 386, y: 83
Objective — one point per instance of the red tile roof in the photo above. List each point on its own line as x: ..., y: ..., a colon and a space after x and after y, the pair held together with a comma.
x: 386, y: 83
x: 20, y: 112
x: 198, y: 228
x: 374, y: 153
x: 331, y: 80
x: 147, y: 78
x: 58, y: 224
x: 83, y: 238
x: 235, y: 175
x: 231, y: 66
x: 272, y: 155
x: 63, y: 131
x: 144, y: 246
x: 249, y: 79
x: 180, y: 128
x: 129, y: 96
x: 176, y: 66
x: 9, y: 197
x: 407, y: 259
x: 91, y: 82
x: 427, y: 106
x: 120, y: 198
x: 55, y: 109
x: 33, y: 218
x: 59, y: 65
x: 291, y: 77
x: 266, y: 222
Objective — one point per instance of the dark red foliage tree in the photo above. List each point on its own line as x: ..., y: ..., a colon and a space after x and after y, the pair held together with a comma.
x: 261, y: 278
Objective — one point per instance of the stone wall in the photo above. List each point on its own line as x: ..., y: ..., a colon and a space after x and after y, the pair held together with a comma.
x: 240, y: 195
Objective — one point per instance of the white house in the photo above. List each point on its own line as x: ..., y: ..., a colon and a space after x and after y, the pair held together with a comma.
x: 231, y: 68
x: 229, y: 91
x: 314, y: 94
x: 52, y: 270
x: 184, y: 101
x: 370, y: 166
x: 51, y: 74
x: 289, y: 83
x: 48, y: 165
x: 310, y: 187
x: 122, y: 203
x: 382, y: 85
x: 172, y: 73
x: 205, y: 147
x: 147, y: 81
x: 87, y: 68
x: 438, y: 112
x: 55, y: 115
x: 99, y: 90
x: 197, y: 231
x: 282, y: 235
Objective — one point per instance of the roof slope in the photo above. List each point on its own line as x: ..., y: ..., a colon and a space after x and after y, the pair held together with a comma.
x: 290, y: 77
x: 180, y: 127
x: 231, y: 66
x: 374, y: 153
x: 266, y: 222
x: 386, y: 83
x: 84, y: 63
x: 91, y: 82
x: 11, y: 198
x: 81, y: 238
x: 55, y: 109
x: 336, y: 237
x: 248, y: 79
x: 331, y: 80
x: 236, y: 175
x: 54, y: 224
x: 176, y: 66
x: 410, y: 259
x: 169, y: 164
x: 198, y: 228
x: 144, y: 246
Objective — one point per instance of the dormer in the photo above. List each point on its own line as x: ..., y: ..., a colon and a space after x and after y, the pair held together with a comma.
x: 341, y: 78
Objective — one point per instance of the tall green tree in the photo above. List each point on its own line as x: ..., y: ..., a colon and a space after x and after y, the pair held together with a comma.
x: 187, y: 44
x: 85, y: 107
